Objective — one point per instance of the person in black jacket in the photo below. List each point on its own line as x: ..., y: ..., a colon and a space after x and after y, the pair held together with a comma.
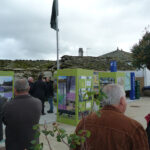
x: 39, y: 91
x: 50, y: 93
x: 19, y: 116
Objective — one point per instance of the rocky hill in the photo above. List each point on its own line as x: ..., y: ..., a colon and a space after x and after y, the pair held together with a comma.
x: 26, y: 68
x: 101, y: 63
x: 26, y: 64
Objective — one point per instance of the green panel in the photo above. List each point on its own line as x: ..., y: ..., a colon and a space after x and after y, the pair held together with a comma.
x: 87, y: 84
x: 77, y: 99
x: 111, y: 77
x: 120, y: 79
x: 67, y: 72
x: 81, y: 106
x: 88, y: 105
x: 82, y: 83
x: 64, y: 119
x: 96, y: 81
x: 120, y: 74
x: 6, y: 73
x: 67, y: 121
x: 106, y: 78
x: 107, y: 74
x: 84, y: 72
x: 55, y: 75
x: 77, y: 73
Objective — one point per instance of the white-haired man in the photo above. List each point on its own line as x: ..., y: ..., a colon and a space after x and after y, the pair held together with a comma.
x: 19, y: 116
x: 31, y: 82
x: 113, y: 130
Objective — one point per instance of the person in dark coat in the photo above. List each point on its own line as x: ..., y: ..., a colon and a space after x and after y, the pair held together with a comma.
x: 50, y: 93
x: 31, y: 82
x: 39, y: 91
x: 19, y: 116
x: 2, y: 102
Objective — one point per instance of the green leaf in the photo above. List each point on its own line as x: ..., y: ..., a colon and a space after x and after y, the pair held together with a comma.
x: 58, y: 138
x: 51, y: 133
x: 45, y: 132
x: 36, y: 127
x: 88, y: 133
x: 82, y: 139
x: 33, y: 142
x: 73, y: 146
x: 37, y: 134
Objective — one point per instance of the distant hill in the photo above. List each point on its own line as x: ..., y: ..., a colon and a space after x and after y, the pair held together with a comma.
x: 119, y: 55
x: 101, y: 63
x: 26, y: 64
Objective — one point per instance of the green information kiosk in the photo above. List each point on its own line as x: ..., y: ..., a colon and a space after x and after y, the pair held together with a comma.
x: 6, y: 84
x: 72, y: 101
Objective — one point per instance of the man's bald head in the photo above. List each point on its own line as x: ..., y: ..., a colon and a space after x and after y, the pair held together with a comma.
x: 21, y: 85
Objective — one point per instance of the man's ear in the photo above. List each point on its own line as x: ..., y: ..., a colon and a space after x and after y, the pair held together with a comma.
x: 122, y: 101
x: 122, y: 104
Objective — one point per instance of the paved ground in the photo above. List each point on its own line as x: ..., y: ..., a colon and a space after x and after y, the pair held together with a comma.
x: 136, y: 109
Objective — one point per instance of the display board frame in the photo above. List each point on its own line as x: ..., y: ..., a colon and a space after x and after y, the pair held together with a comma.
x: 112, y: 77
x: 8, y: 74
x: 85, y: 105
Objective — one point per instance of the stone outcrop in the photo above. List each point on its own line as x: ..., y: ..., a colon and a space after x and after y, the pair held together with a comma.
x: 101, y: 63
x: 26, y: 68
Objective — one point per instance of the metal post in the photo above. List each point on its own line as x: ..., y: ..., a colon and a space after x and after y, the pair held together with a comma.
x: 57, y: 40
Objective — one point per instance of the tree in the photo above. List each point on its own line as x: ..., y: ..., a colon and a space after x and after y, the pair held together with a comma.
x: 141, y: 52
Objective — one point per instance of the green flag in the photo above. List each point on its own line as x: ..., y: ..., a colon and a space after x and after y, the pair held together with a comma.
x: 54, y: 15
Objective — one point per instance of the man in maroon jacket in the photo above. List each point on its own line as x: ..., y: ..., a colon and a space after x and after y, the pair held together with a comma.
x: 113, y: 130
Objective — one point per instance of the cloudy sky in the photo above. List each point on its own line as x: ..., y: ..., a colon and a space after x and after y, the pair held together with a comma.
x: 98, y: 26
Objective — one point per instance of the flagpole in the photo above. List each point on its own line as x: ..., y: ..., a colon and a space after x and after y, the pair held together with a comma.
x: 54, y: 25
x: 57, y: 39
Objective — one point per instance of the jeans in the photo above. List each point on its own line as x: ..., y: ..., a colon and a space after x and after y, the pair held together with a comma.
x: 50, y: 100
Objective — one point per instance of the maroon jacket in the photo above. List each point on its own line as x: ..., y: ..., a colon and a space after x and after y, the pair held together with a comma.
x: 113, y: 131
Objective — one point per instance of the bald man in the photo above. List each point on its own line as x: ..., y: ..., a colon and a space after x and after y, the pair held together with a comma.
x: 19, y: 116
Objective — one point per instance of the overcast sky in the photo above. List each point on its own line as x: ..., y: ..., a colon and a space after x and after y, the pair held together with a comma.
x: 98, y: 26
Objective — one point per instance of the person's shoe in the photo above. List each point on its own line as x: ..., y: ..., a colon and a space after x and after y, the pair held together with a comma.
x: 49, y: 111
x: 43, y: 114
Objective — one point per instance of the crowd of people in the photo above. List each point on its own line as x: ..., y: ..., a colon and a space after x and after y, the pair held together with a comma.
x: 20, y: 114
x: 111, y: 131
x: 43, y: 90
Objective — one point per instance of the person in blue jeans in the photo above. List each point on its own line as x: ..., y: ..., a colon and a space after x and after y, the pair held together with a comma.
x: 50, y: 93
